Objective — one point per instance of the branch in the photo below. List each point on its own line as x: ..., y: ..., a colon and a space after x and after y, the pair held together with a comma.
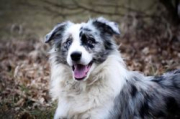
x: 140, y: 14
x: 61, y: 14
x: 114, y: 6
x: 67, y: 6
x: 52, y: 11
x: 96, y: 11
x: 53, y: 8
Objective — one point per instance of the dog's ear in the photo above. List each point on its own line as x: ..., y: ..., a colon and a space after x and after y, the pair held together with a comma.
x: 106, y: 26
x: 57, y: 31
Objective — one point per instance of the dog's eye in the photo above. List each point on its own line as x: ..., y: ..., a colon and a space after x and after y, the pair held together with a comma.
x: 68, y: 43
x: 88, y: 41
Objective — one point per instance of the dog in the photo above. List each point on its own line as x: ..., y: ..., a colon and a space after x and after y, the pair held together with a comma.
x: 90, y: 80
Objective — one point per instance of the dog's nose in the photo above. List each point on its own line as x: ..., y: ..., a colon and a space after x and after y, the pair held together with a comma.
x: 76, y: 56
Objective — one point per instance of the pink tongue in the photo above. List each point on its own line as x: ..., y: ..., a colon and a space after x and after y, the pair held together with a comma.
x: 80, y: 71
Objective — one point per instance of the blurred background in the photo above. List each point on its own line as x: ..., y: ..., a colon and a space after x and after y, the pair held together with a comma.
x: 149, y: 43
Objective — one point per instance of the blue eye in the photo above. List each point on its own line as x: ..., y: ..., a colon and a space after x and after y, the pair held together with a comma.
x: 68, y: 43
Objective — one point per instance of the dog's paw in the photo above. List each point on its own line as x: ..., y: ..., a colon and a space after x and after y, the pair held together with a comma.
x: 86, y: 116
x: 60, y: 117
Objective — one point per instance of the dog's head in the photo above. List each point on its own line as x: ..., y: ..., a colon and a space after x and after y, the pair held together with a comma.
x: 83, y: 46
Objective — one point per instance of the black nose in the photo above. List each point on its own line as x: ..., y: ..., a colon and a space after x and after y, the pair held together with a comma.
x: 76, y: 56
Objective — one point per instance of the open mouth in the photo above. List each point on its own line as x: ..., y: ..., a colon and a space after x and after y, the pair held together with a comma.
x: 80, y: 71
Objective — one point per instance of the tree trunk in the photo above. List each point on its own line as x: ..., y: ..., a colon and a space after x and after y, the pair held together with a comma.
x: 172, y: 10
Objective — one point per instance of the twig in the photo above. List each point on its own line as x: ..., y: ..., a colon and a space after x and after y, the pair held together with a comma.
x: 114, y: 6
x: 62, y: 14
x: 95, y: 11
x: 67, y: 6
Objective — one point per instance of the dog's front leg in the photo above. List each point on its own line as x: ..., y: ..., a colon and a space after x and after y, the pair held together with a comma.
x: 62, y: 110
x: 59, y: 114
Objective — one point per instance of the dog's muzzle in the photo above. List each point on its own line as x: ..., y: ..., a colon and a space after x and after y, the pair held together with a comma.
x: 80, y: 71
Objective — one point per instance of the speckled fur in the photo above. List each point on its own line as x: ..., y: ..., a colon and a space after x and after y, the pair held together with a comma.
x: 141, y: 98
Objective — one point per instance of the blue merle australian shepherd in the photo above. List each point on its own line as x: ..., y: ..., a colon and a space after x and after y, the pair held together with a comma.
x: 90, y: 80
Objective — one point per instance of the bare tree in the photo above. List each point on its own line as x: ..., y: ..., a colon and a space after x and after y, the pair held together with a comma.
x: 173, y: 8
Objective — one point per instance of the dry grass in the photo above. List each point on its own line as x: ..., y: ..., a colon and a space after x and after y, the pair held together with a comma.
x: 24, y: 77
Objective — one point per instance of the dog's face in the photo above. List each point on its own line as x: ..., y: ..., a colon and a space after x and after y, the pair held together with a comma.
x: 83, y: 46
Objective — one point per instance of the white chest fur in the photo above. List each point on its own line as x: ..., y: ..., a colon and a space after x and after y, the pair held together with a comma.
x: 83, y: 100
